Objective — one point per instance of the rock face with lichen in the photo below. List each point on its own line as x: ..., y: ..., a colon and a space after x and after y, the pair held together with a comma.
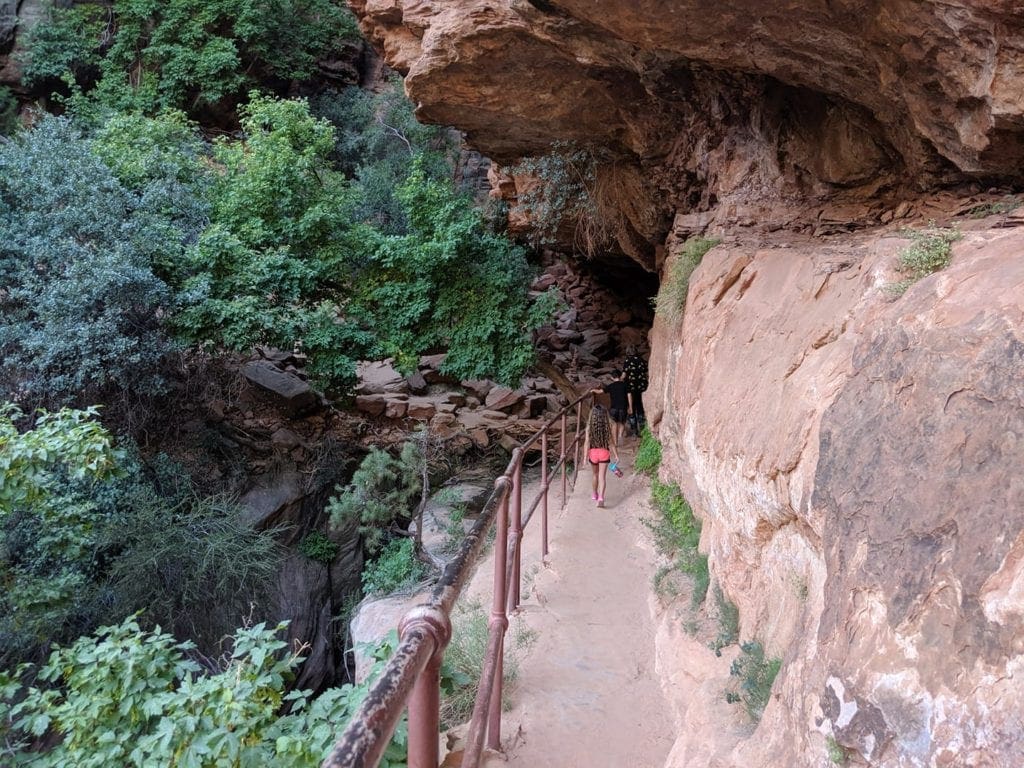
x: 854, y: 454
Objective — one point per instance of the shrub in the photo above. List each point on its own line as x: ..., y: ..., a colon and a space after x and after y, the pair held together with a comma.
x: 755, y: 675
x: 381, y: 492
x: 80, y: 313
x: 317, y: 547
x: 648, y: 454
x: 677, y: 535
x: 671, y: 299
x: 395, y: 568
x: 130, y: 697
x: 183, y: 53
x: 930, y: 250
x: 728, y: 621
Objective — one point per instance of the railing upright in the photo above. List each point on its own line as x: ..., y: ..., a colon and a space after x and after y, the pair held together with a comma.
x: 517, y: 527
x: 561, y: 458
x: 546, y: 483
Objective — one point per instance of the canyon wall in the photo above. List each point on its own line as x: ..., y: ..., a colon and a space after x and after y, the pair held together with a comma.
x: 855, y: 459
x: 854, y: 454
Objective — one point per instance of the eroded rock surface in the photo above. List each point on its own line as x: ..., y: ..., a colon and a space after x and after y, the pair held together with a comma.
x: 860, y: 489
x: 746, y: 110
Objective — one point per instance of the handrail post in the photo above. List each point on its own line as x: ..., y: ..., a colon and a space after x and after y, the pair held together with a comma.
x: 498, y: 616
x: 425, y: 700
x: 562, y: 459
x: 544, y: 490
x: 516, y: 528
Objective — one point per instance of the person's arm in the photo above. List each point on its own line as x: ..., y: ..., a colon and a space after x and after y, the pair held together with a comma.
x: 614, y: 451
x: 629, y: 401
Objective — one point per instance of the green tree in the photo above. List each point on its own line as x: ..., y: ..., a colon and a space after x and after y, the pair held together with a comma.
x: 273, y: 267
x: 452, y: 284
x: 148, y: 56
x: 80, y: 308
x: 382, y: 491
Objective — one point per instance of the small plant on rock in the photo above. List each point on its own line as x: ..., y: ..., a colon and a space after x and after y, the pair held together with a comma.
x: 728, y: 622
x: 671, y: 299
x: 836, y: 751
x: 648, y: 454
x: 395, y: 568
x: 755, y: 675
x: 316, y: 546
x: 931, y: 249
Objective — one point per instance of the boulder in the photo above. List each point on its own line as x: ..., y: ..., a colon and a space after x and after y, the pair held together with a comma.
x: 504, y: 399
x: 294, y: 395
x: 478, y: 388
x: 379, y: 377
x: 372, y: 404
x: 272, y: 497
x: 396, y: 407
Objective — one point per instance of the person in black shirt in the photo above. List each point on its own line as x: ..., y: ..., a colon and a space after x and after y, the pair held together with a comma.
x: 636, y: 383
x: 620, y: 408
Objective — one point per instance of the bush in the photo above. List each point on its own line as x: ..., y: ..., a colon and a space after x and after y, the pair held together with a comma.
x: 677, y: 535
x: 930, y: 250
x: 381, y: 491
x: 565, y: 192
x: 671, y: 299
x: 86, y: 536
x: 755, y: 675
x: 317, y: 547
x: 130, y: 697
x: 80, y: 309
x: 395, y: 568
x: 648, y: 454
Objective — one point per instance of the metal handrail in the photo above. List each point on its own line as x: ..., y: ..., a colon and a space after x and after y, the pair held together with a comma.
x: 412, y: 675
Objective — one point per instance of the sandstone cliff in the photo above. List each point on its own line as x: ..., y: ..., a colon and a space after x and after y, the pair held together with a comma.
x: 855, y: 457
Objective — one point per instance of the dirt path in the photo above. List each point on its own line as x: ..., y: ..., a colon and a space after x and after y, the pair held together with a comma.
x: 587, y: 692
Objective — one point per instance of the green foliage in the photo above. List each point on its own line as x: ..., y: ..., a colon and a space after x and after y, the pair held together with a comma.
x: 67, y: 445
x: 395, y: 568
x: 80, y: 309
x: 728, y: 621
x: 671, y: 299
x: 382, y: 491
x: 129, y: 697
x: 64, y: 44
x: 648, y: 454
x: 182, y: 54
x: 836, y: 751
x: 566, y: 192
x: 273, y: 265
x: 75, y: 551
x: 378, y: 140
x: 316, y: 546
x: 677, y: 535
x: 930, y: 250
x: 8, y: 112
x: 451, y: 283
x: 1006, y: 205
x: 454, y: 532
x: 755, y: 675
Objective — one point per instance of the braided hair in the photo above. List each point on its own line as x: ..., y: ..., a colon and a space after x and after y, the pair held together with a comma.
x: 600, y: 431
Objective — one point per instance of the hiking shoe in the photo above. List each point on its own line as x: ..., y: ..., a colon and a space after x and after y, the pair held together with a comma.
x: 593, y: 497
x: 600, y: 502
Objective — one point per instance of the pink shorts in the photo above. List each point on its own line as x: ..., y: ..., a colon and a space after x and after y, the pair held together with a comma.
x: 599, y: 455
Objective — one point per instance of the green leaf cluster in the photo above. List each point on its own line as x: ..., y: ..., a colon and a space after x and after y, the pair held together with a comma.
x: 86, y: 536
x: 395, y: 567
x: 755, y: 676
x: 381, y: 491
x: 671, y: 299
x: 148, y: 56
x: 131, y: 697
x: 677, y: 534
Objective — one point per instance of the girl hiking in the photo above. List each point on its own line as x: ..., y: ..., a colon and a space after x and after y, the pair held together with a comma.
x: 600, y: 450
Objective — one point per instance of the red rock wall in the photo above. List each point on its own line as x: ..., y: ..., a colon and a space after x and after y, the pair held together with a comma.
x: 856, y: 461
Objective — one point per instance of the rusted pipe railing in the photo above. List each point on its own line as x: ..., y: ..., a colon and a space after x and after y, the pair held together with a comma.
x: 411, y: 676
